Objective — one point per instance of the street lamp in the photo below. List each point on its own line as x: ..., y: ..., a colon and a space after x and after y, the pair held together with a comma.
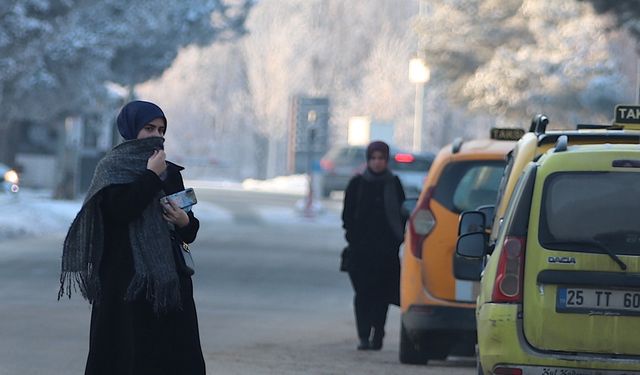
x: 419, y: 74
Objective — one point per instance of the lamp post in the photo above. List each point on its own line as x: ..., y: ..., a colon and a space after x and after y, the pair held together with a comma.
x: 419, y: 74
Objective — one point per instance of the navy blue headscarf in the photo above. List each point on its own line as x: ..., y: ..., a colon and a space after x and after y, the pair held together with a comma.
x: 378, y: 146
x: 135, y: 115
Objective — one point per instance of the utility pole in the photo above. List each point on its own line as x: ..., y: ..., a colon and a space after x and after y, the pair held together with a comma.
x: 419, y: 74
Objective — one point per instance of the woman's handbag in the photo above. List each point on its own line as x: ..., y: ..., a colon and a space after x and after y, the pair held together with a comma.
x: 184, y: 260
x: 189, y: 264
x: 345, y: 259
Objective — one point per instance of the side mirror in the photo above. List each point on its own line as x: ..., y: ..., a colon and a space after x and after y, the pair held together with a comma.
x: 407, y: 207
x: 472, y: 245
x: 471, y: 222
x: 467, y: 268
x: 468, y: 261
x: 488, y: 211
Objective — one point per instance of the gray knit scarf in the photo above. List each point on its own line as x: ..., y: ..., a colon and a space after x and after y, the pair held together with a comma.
x: 391, y: 204
x: 155, y: 274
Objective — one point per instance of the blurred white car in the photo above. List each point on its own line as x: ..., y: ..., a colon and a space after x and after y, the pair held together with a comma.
x: 10, y: 180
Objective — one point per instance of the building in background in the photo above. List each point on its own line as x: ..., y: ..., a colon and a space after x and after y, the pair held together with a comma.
x: 363, y: 130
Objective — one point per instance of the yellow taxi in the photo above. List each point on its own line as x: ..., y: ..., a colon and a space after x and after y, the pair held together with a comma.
x: 537, y: 141
x: 438, y: 310
x: 560, y: 292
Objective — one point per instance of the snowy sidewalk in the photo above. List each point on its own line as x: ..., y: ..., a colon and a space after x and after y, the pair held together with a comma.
x: 34, y: 213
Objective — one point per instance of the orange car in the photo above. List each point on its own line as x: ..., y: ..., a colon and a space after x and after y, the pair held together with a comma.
x: 438, y: 310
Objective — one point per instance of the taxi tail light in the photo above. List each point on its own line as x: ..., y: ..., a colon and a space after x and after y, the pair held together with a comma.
x: 421, y: 223
x: 508, y: 282
x: 507, y: 371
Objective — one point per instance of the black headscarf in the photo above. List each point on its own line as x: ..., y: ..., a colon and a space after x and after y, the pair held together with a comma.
x: 378, y: 146
x: 135, y: 115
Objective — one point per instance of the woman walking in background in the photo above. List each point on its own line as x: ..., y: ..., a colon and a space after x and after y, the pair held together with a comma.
x: 123, y: 252
x: 374, y: 229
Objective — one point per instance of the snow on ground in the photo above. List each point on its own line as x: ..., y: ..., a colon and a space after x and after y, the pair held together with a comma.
x: 34, y: 213
x: 294, y: 184
x: 297, y: 216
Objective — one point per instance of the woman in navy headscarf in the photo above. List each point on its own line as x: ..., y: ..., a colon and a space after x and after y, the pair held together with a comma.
x: 374, y: 229
x: 124, y: 253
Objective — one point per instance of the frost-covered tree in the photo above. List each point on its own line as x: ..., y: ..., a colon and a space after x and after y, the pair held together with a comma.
x: 385, y: 92
x: 627, y: 13
x: 363, y: 59
x: 328, y: 48
x: 512, y: 59
x: 506, y: 59
x: 56, y: 55
x: 355, y: 52
x: 277, y: 69
x: 205, y: 97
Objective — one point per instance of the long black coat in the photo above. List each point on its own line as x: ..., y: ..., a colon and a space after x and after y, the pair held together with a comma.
x: 128, y: 338
x: 374, y: 266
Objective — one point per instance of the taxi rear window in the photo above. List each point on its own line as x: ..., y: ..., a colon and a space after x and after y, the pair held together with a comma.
x: 585, y: 211
x: 465, y: 186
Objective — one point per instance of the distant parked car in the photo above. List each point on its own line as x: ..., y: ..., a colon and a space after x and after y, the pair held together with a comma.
x: 343, y: 162
x: 412, y: 170
x: 339, y: 165
x: 10, y: 180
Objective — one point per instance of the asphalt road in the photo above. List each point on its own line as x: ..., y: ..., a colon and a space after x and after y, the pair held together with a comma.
x: 269, y: 296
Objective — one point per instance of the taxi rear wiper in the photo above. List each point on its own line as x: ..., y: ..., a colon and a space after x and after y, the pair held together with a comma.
x: 598, y: 246
x: 611, y: 254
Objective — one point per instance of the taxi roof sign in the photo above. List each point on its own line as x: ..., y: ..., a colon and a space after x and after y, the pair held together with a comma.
x: 507, y: 134
x: 627, y: 116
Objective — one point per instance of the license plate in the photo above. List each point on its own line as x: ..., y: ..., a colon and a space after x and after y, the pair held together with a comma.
x: 534, y: 370
x: 598, y: 301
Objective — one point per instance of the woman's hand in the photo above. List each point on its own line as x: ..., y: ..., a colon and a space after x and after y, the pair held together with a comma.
x: 156, y: 162
x: 174, y: 214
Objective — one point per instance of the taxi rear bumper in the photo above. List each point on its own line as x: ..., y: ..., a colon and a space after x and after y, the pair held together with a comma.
x: 501, y: 343
x: 434, y: 318
x: 441, y: 330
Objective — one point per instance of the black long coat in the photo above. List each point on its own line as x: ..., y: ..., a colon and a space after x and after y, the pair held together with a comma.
x: 374, y: 266
x: 128, y: 338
